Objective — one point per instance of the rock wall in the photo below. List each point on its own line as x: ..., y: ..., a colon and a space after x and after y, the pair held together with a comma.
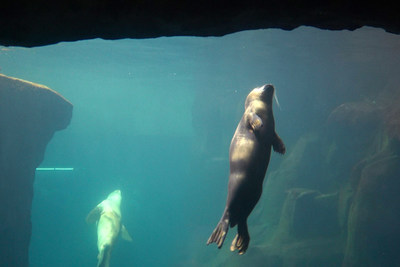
x: 373, y: 231
x: 29, y: 115
x: 41, y: 22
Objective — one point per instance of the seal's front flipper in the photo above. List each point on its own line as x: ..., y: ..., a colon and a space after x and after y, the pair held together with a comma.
x: 219, y: 233
x: 242, y: 239
x: 254, y: 121
x: 278, y: 144
x: 125, y: 235
x: 94, y: 215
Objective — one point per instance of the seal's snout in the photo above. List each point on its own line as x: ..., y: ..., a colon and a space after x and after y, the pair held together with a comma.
x: 267, y: 91
x: 268, y: 88
x: 116, y: 193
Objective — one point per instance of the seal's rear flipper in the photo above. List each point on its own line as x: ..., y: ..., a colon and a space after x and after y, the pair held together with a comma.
x: 125, y: 235
x: 104, y: 257
x: 278, y: 144
x: 94, y: 215
x: 242, y: 239
x: 219, y: 233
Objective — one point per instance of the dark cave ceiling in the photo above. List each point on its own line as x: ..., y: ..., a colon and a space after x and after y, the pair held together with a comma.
x: 40, y: 22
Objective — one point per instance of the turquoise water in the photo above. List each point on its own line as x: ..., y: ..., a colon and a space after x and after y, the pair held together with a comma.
x: 154, y: 118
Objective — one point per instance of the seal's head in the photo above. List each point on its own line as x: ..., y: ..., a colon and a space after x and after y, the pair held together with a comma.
x: 115, y: 194
x: 115, y: 198
x: 263, y: 93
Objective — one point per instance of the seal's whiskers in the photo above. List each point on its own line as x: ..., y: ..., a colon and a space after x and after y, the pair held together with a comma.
x: 276, y: 100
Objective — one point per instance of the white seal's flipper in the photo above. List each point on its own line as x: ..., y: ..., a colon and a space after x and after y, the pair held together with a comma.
x: 94, y: 215
x: 104, y: 257
x: 125, y: 235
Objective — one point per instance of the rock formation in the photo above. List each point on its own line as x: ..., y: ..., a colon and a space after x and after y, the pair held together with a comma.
x: 373, y: 232
x: 29, y: 115
x: 41, y: 22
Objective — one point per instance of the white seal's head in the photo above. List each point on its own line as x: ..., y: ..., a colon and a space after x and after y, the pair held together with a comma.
x: 263, y: 93
x: 115, y: 197
x: 113, y: 202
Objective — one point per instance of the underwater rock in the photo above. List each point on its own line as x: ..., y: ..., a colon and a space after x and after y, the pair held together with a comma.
x: 373, y: 234
x: 369, y: 207
x: 353, y: 127
x: 356, y: 114
x: 345, y: 199
x: 285, y: 229
x: 315, y: 215
x: 285, y: 177
x: 392, y: 116
x: 29, y: 115
x: 318, y: 252
x: 308, y: 165
x: 307, y: 214
x: 362, y: 115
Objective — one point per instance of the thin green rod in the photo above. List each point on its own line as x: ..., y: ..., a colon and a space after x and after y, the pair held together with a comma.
x: 54, y: 169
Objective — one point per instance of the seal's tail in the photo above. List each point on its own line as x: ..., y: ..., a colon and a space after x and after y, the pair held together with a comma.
x: 219, y: 233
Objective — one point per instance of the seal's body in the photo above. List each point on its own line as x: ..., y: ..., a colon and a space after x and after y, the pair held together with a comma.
x: 249, y: 157
x: 108, y: 217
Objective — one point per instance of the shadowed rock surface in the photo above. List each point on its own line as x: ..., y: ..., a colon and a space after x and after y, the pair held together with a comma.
x: 41, y: 22
x: 373, y: 232
x: 29, y: 115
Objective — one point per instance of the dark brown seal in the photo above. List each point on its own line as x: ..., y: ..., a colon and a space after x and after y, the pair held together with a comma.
x: 249, y: 156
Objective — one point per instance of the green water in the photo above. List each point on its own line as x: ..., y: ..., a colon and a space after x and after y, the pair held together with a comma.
x: 154, y: 118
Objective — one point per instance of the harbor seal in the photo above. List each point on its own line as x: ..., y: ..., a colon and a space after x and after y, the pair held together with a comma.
x: 107, y: 214
x: 249, y: 156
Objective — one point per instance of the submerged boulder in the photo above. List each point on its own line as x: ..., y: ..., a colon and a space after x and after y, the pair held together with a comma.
x: 29, y: 115
x: 392, y: 116
x: 373, y: 233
